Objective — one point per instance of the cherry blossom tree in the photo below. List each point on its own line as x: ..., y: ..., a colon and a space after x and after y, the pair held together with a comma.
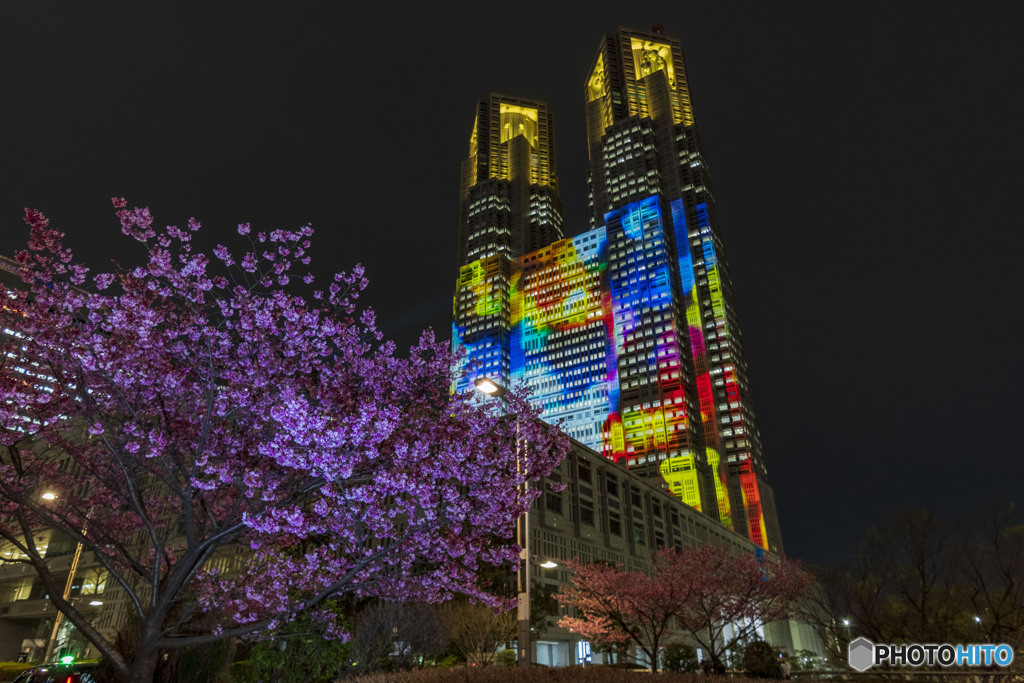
x: 617, y: 606
x: 194, y: 413
x: 717, y: 598
x: 735, y: 596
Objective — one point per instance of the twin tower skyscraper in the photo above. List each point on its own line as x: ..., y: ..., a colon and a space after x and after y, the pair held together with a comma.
x: 627, y: 333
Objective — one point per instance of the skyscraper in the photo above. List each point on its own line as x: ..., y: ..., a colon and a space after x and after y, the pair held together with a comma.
x: 508, y: 205
x: 626, y: 333
x: 644, y: 144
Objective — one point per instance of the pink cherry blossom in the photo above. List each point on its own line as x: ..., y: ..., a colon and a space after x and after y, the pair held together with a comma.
x: 194, y: 407
x: 699, y: 591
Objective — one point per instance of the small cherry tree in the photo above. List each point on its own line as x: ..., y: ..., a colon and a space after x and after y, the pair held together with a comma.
x: 617, y: 606
x: 193, y: 408
x: 717, y: 598
x: 735, y: 596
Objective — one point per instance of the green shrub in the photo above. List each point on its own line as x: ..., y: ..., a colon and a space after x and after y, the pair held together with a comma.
x: 760, y: 660
x: 448, y: 662
x: 241, y: 672
x: 506, y: 658
x: 680, y: 658
x: 298, y: 652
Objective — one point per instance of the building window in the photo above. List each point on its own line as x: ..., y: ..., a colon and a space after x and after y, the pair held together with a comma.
x: 586, y: 512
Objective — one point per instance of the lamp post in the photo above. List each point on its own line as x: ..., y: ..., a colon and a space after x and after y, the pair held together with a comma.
x: 52, y: 642
x: 492, y: 388
x: 49, y: 496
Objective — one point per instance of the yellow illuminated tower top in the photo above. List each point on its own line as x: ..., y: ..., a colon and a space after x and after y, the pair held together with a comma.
x: 512, y: 138
x: 625, y: 80
x: 509, y: 201
x: 508, y: 206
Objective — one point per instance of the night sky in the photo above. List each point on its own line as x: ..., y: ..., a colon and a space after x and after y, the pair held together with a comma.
x: 867, y: 160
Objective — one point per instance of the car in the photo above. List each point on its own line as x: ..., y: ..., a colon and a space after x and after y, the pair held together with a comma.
x: 60, y: 673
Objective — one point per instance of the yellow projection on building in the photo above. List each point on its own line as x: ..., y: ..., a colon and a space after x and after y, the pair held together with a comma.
x: 597, y: 86
x: 649, y: 56
x: 518, y: 121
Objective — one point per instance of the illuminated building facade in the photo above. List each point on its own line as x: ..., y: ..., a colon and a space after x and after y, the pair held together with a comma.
x: 563, y: 335
x: 508, y: 205
x: 627, y: 333
x: 644, y: 147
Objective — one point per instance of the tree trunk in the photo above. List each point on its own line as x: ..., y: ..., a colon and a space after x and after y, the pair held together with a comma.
x: 143, y: 668
x: 229, y: 659
x: 654, y: 658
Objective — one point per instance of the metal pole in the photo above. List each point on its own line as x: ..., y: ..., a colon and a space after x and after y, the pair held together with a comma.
x: 67, y: 592
x: 525, y: 649
x: 490, y: 387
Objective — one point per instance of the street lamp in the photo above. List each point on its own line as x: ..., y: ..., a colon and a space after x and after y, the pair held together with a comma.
x: 492, y: 388
x: 488, y: 387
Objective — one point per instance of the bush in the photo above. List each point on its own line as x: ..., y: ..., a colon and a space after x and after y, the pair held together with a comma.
x: 760, y: 660
x: 449, y: 661
x: 507, y: 658
x: 680, y: 658
x: 299, y: 653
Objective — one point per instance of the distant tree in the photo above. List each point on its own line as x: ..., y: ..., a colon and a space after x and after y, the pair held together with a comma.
x: 929, y: 603
x: 476, y: 630
x: 193, y: 406
x: 824, y: 607
x: 391, y: 634
x: 923, y: 577
x: 543, y: 607
x: 734, y: 595
x: 993, y: 572
x: 617, y: 606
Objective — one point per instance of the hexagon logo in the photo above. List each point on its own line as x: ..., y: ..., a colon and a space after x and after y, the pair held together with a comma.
x: 861, y: 654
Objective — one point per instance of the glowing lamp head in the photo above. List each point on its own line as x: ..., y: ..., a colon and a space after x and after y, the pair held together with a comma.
x: 549, y: 564
x: 490, y: 387
x: 67, y: 659
x: 49, y: 495
x: 96, y: 603
x: 487, y: 386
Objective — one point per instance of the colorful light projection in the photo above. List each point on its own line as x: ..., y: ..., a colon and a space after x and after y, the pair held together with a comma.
x: 752, y: 504
x: 698, y: 350
x: 480, y: 314
x: 561, y: 333
x: 650, y: 425
x: 727, y: 372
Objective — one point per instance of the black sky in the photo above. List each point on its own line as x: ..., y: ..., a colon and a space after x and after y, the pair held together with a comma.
x: 867, y: 159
